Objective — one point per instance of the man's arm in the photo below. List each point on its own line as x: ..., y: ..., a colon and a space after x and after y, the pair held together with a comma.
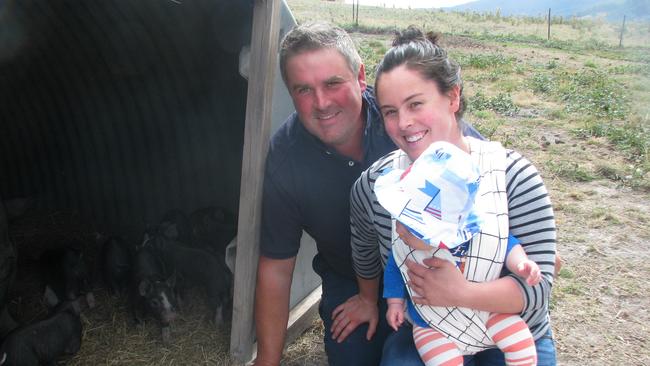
x: 272, y: 308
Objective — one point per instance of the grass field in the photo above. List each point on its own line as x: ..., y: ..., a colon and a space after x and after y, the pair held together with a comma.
x: 578, y: 106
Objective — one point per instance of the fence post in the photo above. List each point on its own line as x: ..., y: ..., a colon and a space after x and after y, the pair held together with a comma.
x: 357, y: 21
x: 620, y: 41
x: 548, y: 33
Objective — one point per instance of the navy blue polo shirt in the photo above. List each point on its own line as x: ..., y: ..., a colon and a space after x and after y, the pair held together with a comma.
x: 307, y: 187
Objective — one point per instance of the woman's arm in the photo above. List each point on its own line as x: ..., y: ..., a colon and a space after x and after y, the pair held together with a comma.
x: 532, y: 222
x: 442, y: 284
x: 366, y: 257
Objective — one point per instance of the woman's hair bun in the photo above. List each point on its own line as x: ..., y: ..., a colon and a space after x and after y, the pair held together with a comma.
x: 414, y: 34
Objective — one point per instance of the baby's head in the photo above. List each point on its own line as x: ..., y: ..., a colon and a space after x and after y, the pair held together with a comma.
x: 434, y: 197
x: 407, y: 237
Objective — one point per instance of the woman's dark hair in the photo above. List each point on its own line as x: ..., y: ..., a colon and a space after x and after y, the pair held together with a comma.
x: 421, y: 53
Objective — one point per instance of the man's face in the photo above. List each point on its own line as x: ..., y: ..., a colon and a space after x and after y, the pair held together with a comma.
x: 326, y: 94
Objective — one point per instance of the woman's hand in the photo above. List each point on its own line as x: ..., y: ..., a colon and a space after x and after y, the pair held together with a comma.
x: 440, y: 285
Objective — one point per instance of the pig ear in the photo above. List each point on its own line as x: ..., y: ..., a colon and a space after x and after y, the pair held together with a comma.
x: 51, y: 300
x: 171, y: 281
x: 144, y: 287
x: 171, y: 231
x: 76, y: 307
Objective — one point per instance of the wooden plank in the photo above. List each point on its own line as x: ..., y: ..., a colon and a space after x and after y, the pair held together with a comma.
x: 263, y: 65
x: 301, y: 317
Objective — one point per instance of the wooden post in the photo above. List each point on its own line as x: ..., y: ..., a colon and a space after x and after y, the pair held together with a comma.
x: 548, y: 33
x: 620, y: 41
x: 353, y: 16
x: 357, y: 20
x: 263, y: 65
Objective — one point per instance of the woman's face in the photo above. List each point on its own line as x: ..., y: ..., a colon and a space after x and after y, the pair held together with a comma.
x: 415, y: 113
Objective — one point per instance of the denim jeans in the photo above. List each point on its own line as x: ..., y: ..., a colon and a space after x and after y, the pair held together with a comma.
x: 355, y: 350
x: 399, y: 349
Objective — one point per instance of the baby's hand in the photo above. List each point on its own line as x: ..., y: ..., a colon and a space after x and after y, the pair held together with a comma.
x: 395, y: 314
x: 530, y: 271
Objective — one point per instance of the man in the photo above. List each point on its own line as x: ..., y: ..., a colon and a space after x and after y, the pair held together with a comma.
x: 313, y: 160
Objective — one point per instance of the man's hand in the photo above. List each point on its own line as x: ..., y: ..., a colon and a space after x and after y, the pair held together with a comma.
x: 440, y: 285
x: 349, y: 315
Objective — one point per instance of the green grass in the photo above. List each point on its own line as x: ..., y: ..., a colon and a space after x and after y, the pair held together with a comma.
x: 630, y: 137
x: 485, y: 124
x: 543, y: 83
x: 569, y: 170
x: 371, y: 51
x: 484, y: 60
x: 501, y: 103
x: 594, y: 93
x: 566, y: 273
x: 587, y: 91
x: 630, y: 69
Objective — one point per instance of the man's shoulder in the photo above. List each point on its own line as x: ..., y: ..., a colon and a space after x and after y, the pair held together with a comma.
x: 285, y: 143
x: 285, y: 136
x: 385, y: 161
x: 378, y: 166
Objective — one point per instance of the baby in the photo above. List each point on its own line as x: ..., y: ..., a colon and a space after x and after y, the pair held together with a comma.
x: 439, y: 210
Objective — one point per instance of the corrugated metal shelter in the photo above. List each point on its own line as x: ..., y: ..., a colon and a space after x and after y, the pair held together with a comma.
x: 126, y: 109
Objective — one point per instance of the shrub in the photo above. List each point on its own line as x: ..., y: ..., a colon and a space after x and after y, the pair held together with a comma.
x: 593, y: 93
x: 542, y: 83
x: 501, y: 103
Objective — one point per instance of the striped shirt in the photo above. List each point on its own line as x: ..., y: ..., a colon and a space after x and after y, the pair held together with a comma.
x: 531, y: 220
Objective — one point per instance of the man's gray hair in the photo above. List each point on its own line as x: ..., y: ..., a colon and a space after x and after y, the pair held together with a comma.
x: 314, y: 36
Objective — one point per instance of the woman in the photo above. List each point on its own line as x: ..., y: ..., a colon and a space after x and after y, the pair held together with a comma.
x: 419, y: 92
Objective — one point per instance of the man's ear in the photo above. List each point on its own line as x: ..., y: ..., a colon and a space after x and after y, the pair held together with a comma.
x: 454, y: 98
x: 362, y: 77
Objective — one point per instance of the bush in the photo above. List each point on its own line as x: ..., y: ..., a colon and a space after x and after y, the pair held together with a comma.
x: 593, y: 93
x: 502, y: 104
x: 542, y: 83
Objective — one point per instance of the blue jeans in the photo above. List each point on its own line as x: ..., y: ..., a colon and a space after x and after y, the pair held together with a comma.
x: 355, y: 350
x: 399, y: 349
